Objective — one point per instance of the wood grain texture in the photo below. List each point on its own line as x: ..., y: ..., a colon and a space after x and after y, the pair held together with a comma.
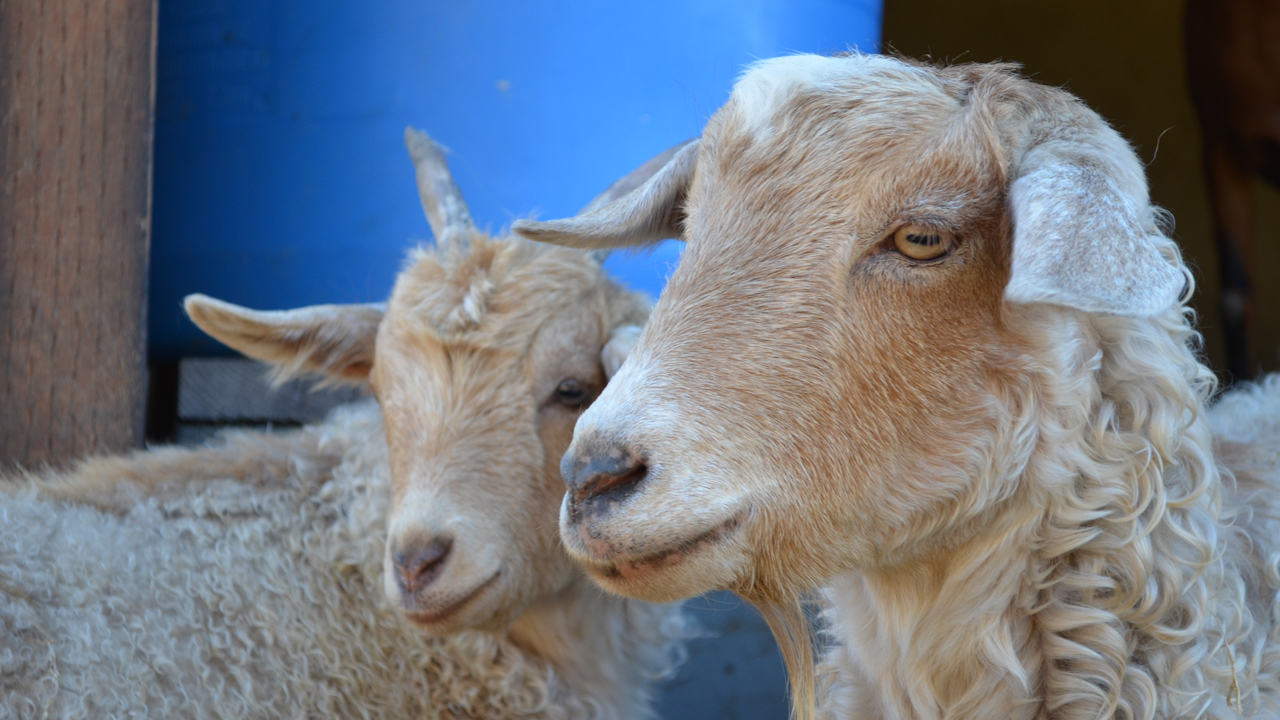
x: 77, y: 81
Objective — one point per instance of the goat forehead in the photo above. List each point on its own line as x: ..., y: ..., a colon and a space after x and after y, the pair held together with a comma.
x: 777, y: 222
x: 495, y: 298
x: 504, y: 361
x: 850, y: 133
x: 772, y: 87
x: 824, y: 150
x: 422, y: 379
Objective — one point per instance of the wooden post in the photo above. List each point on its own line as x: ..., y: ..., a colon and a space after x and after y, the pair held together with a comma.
x: 77, y: 80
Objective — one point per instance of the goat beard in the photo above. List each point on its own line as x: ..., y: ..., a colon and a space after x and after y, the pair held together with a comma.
x: 788, y: 618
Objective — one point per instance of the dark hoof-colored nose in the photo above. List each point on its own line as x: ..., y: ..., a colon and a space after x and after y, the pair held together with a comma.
x: 418, y: 564
x: 601, y: 474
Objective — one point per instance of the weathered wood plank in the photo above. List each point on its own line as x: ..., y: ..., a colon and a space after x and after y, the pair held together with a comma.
x: 77, y: 82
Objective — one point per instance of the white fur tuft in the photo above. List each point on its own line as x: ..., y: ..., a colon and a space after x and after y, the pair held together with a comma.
x: 770, y: 84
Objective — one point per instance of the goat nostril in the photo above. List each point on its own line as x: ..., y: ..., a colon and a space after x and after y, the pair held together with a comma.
x: 418, y: 565
x: 616, y: 485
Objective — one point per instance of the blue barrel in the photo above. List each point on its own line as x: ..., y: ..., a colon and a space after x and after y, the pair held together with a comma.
x: 281, y: 178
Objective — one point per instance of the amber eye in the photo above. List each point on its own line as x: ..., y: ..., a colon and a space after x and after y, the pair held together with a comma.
x: 923, y: 243
x: 571, y: 393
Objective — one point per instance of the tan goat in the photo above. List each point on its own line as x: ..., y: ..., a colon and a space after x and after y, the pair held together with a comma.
x: 244, y: 580
x: 928, y: 349
x: 487, y: 353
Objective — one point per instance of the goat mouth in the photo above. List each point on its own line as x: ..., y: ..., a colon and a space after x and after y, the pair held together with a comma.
x: 649, y: 564
x: 440, y: 615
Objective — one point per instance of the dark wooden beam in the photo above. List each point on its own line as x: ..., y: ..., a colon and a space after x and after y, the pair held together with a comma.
x: 77, y: 80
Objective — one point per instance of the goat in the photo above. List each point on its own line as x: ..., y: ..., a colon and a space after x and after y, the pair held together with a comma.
x: 928, y: 349
x: 351, y: 569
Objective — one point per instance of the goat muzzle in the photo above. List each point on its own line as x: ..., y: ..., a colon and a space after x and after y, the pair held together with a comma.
x: 418, y: 564
x: 601, y: 477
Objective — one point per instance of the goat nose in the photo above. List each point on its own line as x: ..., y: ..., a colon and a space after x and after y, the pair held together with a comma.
x: 601, y: 473
x: 418, y: 564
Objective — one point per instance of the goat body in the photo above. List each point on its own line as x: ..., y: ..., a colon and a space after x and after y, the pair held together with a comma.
x: 928, y: 349
x: 400, y: 560
x: 243, y: 580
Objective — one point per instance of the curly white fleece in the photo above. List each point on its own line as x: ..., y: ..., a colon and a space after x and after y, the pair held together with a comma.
x: 241, y: 581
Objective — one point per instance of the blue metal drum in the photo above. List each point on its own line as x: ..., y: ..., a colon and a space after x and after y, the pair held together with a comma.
x: 280, y: 174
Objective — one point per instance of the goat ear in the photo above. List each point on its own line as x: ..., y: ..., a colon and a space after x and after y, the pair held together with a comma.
x: 336, y: 341
x: 615, y: 352
x: 645, y: 215
x: 1085, y: 233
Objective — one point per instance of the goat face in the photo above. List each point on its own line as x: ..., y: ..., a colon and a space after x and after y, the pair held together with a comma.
x: 477, y: 418
x: 482, y: 361
x: 826, y: 383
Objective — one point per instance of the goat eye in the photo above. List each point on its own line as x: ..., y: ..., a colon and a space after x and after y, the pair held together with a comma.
x: 571, y: 393
x: 923, y: 243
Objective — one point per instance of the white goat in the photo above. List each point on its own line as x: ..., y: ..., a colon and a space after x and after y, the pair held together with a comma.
x: 247, y: 579
x: 928, y: 348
